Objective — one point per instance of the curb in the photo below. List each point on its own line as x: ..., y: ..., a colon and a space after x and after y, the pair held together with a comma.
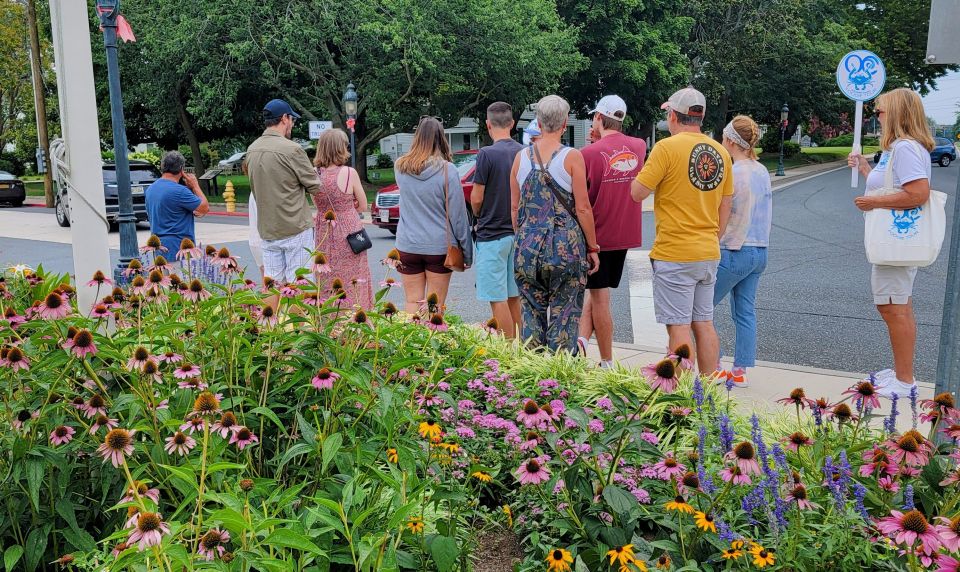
x: 828, y: 168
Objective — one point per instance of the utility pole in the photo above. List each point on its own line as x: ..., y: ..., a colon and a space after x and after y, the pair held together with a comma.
x: 40, y: 103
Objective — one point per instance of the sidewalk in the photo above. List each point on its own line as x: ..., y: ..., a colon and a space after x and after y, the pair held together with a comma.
x: 770, y: 381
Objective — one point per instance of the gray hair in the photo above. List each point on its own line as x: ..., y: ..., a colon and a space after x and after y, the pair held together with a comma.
x: 552, y: 113
x: 173, y: 163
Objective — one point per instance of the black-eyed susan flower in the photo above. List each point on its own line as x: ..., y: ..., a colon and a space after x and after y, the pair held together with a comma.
x: 392, y: 456
x: 732, y: 553
x: 430, y: 429
x: 622, y: 554
x: 762, y: 557
x: 663, y: 562
x: 680, y: 505
x: 509, y: 515
x: 415, y: 525
x: 481, y: 476
x: 559, y: 560
x: 704, y: 522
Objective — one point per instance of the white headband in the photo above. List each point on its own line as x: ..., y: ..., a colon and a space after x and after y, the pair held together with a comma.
x: 730, y: 133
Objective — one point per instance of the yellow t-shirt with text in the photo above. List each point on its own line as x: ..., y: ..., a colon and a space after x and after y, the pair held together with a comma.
x: 690, y: 174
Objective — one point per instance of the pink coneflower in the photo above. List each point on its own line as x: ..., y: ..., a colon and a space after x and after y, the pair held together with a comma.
x: 532, y: 415
x: 320, y: 265
x: 139, y: 357
x: 842, y: 413
x: 194, y: 383
x: 193, y: 425
x: 866, y: 392
x: 437, y: 323
x: 679, y: 411
x: 531, y: 441
x: 22, y: 417
x: 952, y: 431
x: 242, y: 438
x: 877, y: 461
x: 102, y: 421
x: 532, y: 473
x: 324, y: 379
x: 143, y: 490
x: 83, y: 345
x: 61, y: 435
x: 947, y: 564
x: 149, y: 531
x: 223, y: 259
x: 888, y: 483
x: 116, y: 445
x: 798, y: 494
x: 188, y: 250
x: 99, y: 279
x: 682, y: 356
x: 153, y: 245
x: 389, y: 283
x: 941, y: 406
x: 12, y: 318
x: 908, y: 527
x: 151, y: 370
x: 798, y: 398
x: 180, y: 443
x: 160, y: 263
x: 952, y: 478
x: 156, y: 282
x: 392, y: 260
x: 206, y: 404
x: 94, y: 406
x: 266, y: 316
x: 733, y: 473
x: 949, y: 531
x: 54, y: 306
x: 170, y: 357
x: 662, y: 376
x: 912, y: 448
x: 796, y: 440
x: 226, y: 425
x: 745, y: 458
x: 211, y: 543
x: 186, y: 370
x: 668, y: 468
x: 100, y: 311
x: 14, y: 358
x: 195, y: 292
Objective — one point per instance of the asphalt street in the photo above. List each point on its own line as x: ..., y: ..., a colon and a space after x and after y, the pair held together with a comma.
x: 814, y: 304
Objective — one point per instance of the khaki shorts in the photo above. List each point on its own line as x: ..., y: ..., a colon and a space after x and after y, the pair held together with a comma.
x: 683, y: 291
x: 892, y: 284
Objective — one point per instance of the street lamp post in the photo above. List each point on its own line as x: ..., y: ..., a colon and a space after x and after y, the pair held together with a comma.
x: 784, y: 112
x: 108, y: 11
x: 350, y: 109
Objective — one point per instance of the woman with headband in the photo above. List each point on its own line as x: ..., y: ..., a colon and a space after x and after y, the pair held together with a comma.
x: 743, y: 245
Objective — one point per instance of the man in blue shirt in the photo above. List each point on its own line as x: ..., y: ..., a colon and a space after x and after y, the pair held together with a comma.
x: 172, y: 206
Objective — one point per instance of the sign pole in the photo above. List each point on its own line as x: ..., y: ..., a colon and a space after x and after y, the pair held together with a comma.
x: 857, y: 134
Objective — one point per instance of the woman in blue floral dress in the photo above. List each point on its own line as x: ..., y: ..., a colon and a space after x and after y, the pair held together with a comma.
x: 556, y: 242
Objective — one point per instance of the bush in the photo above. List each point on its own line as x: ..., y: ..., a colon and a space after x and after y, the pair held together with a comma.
x: 384, y: 161
x: 791, y: 149
x: 770, y: 143
x: 337, y: 439
x: 153, y: 156
x: 846, y: 140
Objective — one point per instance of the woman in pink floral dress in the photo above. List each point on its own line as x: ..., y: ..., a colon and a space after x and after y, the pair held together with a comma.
x: 342, y: 193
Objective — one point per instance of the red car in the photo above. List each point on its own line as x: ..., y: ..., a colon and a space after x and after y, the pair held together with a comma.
x: 385, y: 210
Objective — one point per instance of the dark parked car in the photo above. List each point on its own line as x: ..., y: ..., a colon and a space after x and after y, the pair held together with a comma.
x: 142, y: 173
x: 12, y: 190
x: 385, y: 210
x: 943, y: 154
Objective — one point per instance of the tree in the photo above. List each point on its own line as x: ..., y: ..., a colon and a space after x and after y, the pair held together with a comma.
x: 16, y: 106
x: 407, y: 58
x: 634, y: 50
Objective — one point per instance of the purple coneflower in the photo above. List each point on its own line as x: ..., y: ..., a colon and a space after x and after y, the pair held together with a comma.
x: 211, y: 543
x: 186, y: 370
x: 911, y: 448
x: 888, y: 483
x: 54, y: 306
x: 668, y: 468
x: 170, y: 357
x: 143, y: 490
x: 866, y: 392
x: 116, y: 445
x: 149, y: 530
x: 100, y: 311
x: 193, y: 425
x: 102, y: 421
x: 662, y: 376
x: 877, y: 461
x: 82, y: 344
x: 61, y: 435
x: 223, y: 260
x: 242, y: 438
x: 153, y: 245
x: 94, y: 406
x: 188, y: 250
x: 324, y: 379
x: 266, y: 316
x: 908, y: 527
x: 206, y: 404
x: 180, y: 443
x: 393, y: 259
x: 734, y: 474
x: 320, y: 264
x: 194, y: 383
x: 14, y: 358
x: 156, y: 282
x: 226, y: 425
x: 794, y: 441
x: 138, y: 359
x: 682, y: 356
x: 195, y: 292
x: 99, y: 279
x: 745, y: 457
x: 798, y: 398
x: 22, y: 417
x: 437, y: 323
x: 532, y: 473
x: 949, y: 532
x: 798, y: 494
x: 940, y: 407
x: 12, y: 318
x: 160, y: 263
x: 532, y: 415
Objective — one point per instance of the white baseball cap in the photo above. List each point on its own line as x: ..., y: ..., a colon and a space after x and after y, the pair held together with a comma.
x: 612, y: 106
x: 681, y: 102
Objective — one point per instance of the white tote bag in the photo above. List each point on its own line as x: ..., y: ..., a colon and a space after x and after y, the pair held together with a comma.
x: 911, y: 237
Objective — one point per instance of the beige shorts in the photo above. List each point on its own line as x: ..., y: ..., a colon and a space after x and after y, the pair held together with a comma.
x: 892, y: 284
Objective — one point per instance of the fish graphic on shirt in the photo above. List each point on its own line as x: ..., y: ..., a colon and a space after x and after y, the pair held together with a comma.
x: 623, y: 161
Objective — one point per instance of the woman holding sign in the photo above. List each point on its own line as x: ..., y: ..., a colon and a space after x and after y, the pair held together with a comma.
x: 906, y: 145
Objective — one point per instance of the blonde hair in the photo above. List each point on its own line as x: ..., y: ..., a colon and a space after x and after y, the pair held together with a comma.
x: 905, y: 118
x: 332, y: 149
x: 429, y: 145
x: 747, y: 128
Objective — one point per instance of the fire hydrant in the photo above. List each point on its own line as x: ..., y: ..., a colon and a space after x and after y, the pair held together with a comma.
x: 229, y: 197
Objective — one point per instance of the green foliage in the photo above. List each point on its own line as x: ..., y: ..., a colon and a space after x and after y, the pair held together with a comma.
x: 847, y: 141
x: 791, y: 149
x: 384, y: 161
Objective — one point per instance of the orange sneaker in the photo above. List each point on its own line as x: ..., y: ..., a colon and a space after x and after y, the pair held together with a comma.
x: 719, y: 376
x: 739, y: 377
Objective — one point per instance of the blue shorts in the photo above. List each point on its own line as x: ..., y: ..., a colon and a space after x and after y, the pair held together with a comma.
x: 493, y: 263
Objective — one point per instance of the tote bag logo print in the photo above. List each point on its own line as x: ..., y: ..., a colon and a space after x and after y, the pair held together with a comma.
x: 905, y: 223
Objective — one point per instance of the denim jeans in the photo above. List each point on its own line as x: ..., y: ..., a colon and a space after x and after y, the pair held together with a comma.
x: 738, y: 275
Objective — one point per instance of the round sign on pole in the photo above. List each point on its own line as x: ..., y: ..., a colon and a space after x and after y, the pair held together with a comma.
x: 861, y: 75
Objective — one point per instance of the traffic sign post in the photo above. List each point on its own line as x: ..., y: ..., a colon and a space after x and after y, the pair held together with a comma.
x: 318, y: 127
x: 860, y: 76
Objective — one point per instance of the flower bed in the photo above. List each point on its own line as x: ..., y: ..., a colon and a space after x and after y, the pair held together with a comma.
x: 183, y: 425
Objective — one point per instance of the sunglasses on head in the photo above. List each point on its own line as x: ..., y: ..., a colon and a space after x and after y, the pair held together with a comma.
x: 422, y: 117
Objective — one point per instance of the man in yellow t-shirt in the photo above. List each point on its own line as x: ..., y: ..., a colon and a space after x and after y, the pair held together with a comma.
x: 693, y: 178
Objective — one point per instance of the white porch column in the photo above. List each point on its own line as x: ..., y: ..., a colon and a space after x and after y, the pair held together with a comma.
x: 78, y: 118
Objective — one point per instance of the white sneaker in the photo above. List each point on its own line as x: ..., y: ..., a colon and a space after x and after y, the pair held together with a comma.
x: 606, y: 364
x: 882, y: 378
x: 895, y: 387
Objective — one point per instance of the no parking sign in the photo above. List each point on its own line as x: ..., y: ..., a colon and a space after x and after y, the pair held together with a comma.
x: 861, y: 77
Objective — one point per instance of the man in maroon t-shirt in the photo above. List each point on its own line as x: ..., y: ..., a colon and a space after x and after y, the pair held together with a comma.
x: 612, y: 162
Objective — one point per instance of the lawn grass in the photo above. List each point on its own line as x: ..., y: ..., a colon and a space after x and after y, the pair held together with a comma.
x: 811, y: 156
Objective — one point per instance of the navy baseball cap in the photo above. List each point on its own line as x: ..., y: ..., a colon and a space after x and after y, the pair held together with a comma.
x: 277, y: 108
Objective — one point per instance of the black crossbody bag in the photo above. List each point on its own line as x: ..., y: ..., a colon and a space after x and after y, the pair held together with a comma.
x: 547, y: 178
x: 359, y: 241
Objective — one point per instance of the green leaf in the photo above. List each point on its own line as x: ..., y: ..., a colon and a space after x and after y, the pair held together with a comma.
x: 331, y: 446
x: 66, y: 511
x: 444, y: 552
x: 297, y: 449
x: 619, y: 500
x: 231, y: 519
x: 307, y: 429
x: 37, y: 545
x: 35, y: 470
x: 11, y: 556
x: 217, y: 467
x: 79, y: 539
x: 285, y: 538
x: 269, y: 414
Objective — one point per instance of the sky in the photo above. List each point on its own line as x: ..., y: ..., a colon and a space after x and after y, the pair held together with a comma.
x: 942, y: 104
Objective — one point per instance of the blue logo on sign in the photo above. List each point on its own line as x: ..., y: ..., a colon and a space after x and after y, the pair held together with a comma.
x: 861, y: 75
x: 905, y: 223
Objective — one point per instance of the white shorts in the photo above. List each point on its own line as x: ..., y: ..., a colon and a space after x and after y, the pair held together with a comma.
x: 282, y: 258
x: 892, y: 284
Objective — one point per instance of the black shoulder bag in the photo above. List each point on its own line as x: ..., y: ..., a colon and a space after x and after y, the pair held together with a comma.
x: 548, y: 179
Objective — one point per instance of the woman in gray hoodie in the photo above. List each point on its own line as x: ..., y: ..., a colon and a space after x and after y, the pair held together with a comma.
x: 423, y: 232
